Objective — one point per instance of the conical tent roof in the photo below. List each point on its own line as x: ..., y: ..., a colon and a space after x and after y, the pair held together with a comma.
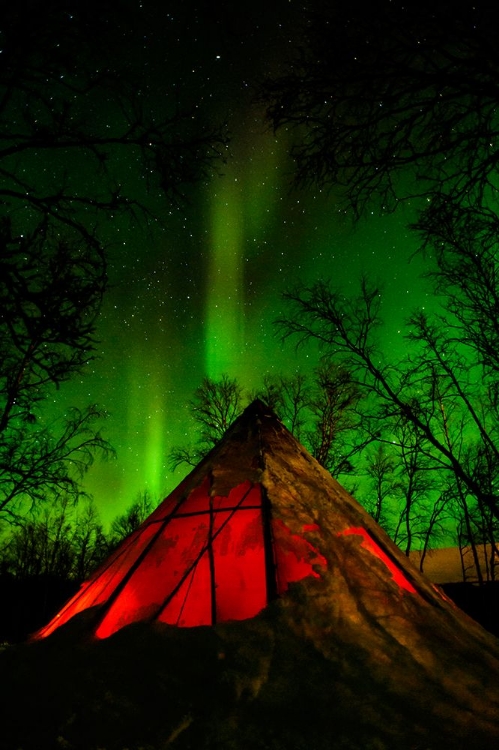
x: 320, y: 632
x: 255, y: 516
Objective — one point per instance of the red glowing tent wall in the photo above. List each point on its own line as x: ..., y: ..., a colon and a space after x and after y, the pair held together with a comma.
x: 197, y: 562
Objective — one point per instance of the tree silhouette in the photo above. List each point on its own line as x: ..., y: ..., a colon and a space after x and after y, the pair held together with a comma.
x: 61, y: 542
x: 214, y: 407
x: 80, y: 145
x: 317, y: 410
x: 127, y: 522
x: 391, y: 103
x: 394, y: 101
x: 79, y: 135
x: 289, y: 397
x: 441, y: 395
x: 335, y: 437
x: 50, y: 296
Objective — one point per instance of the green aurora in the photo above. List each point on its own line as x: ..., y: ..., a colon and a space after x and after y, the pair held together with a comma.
x: 205, y: 301
x: 198, y: 295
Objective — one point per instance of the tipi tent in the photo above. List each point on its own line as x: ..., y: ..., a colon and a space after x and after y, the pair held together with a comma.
x: 326, y: 633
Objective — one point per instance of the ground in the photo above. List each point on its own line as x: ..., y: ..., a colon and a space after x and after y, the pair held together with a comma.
x: 255, y: 685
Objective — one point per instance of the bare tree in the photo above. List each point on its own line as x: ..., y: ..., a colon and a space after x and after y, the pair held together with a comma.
x: 462, y: 241
x: 436, y: 526
x: 41, y: 464
x: 335, y: 433
x: 422, y: 390
x: 393, y: 101
x: 380, y: 466
x: 80, y: 144
x: 90, y: 543
x: 400, y: 102
x: 60, y: 541
x: 319, y: 411
x: 50, y: 296
x: 289, y: 397
x: 214, y: 407
x: 124, y: 524
x: 417, y: 483
x: 403, y: 490
x: 189, y: 455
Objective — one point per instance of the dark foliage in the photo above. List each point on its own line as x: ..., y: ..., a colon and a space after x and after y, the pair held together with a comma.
x: 389, y: 103
x: 80, y: 144
x: 394, y: 100
x: 71, y: 109
x: 479, y: 602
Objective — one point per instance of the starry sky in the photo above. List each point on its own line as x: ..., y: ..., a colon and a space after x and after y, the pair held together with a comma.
x: 196, y: 293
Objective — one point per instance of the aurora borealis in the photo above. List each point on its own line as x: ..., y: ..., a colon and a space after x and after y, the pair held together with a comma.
x: 198, y: 295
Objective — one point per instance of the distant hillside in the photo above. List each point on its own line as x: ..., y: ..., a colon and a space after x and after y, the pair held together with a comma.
x: 445, y: 566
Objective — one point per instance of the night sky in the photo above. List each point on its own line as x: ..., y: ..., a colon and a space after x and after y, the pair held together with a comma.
x: 197, y: 295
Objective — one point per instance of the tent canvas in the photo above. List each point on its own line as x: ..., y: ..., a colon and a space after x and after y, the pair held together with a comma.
x: 235, y: 534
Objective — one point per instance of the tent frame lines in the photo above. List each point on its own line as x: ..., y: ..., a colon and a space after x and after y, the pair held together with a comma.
x: 121, y: 585
x: 268, y: 548
x: 211, y: 559
x: 212, y: 536
x: 121, y: 551
x: 268, y: 541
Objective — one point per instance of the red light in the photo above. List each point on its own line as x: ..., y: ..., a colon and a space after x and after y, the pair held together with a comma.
x: 295, y: 557
x: 369, y: 544
x: 199, y: 561
x: 311, y: 527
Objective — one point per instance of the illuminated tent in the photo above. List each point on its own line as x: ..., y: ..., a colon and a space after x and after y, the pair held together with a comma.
x: 257, y: 514
x: 316, y: 630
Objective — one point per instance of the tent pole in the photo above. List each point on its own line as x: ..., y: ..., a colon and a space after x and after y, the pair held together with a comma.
x: 211, y: 558
x: 268, y: 547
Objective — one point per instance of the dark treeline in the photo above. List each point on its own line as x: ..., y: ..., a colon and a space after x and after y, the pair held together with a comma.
x: 50, y: 552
